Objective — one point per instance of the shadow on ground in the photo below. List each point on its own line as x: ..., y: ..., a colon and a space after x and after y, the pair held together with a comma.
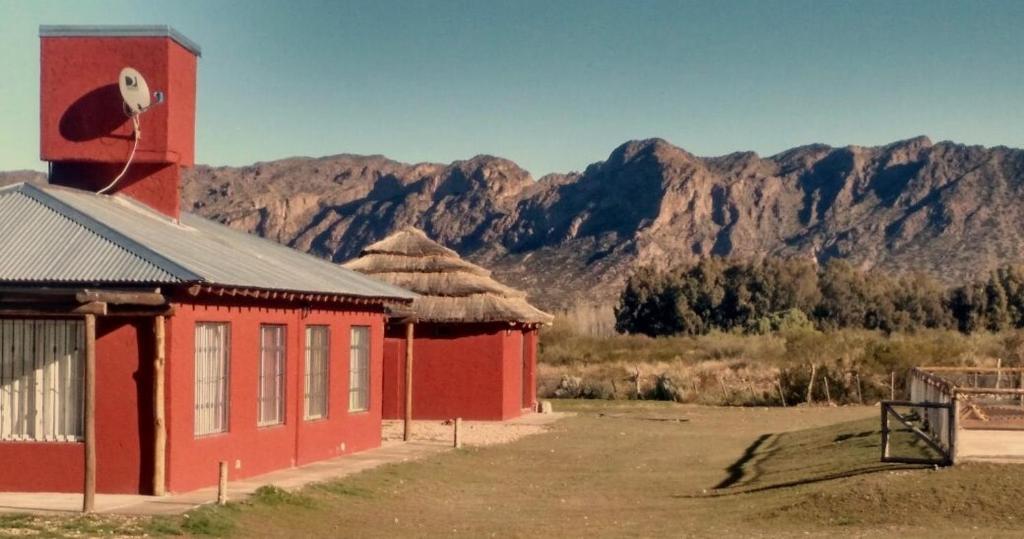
x: 784, y: 460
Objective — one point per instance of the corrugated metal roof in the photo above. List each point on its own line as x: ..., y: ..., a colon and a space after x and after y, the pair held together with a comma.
x: 192, y: 250
x: 39, y: 244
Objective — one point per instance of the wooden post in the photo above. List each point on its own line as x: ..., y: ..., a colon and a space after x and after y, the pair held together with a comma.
x: 1022, y: 387
x: 222, y: 483
x: 860, y: 395
x: 828, y: 395
x: 636, y: 382
x: 457, y: 442
x: 810, y: 384
x: 999, y: 372
x: 892, y: 385
x: 89, y: 416
x: 159, y: 426
x: 407, y: 430
x: 885, y: 431
x: 953, y: 425
x: 782, y: 396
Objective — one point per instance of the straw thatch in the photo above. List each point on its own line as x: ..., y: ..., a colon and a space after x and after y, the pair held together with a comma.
x: 450, y: 288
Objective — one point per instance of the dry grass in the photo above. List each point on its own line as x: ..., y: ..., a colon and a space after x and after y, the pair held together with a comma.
x: 724, y: 368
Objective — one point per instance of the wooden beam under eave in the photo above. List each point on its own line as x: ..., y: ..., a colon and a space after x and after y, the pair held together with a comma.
x: 93, y: 307
x: 121, y: 297
x: 89, y: 416
x: 43, y: 309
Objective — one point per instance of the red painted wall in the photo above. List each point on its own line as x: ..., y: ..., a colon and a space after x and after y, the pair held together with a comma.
x: 472, y: 371
x: 512, y: 387
x: 81, y: 117
x: 153, y: 184
x: 123, y: 424
x: 248, y: 449
x: 84, y: 131
x: 124, y: 406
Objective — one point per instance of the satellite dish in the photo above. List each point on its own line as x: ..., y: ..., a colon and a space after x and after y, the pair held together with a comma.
x: 134, y: 91
x: 137, y: 99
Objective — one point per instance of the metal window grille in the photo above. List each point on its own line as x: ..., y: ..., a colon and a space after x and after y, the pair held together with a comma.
x: 41, y: 372
x: 317, y: 370
x: 359, y: 370
x: 212, y: 371
x: 270, y: 398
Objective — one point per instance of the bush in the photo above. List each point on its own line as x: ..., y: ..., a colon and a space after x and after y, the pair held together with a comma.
x: 732, y: 368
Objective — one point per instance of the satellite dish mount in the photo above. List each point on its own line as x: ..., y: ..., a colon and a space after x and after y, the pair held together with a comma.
x: 136, y: 99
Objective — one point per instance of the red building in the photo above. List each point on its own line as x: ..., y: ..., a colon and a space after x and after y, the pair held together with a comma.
x: 475, y: 339
x: 141, y: 345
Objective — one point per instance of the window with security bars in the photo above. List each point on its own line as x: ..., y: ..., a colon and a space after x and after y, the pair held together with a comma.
x: 359, y: 370
x: 270, y: 397
x: 212, y: 370
x: 41, y: 370
x: 317, y: 369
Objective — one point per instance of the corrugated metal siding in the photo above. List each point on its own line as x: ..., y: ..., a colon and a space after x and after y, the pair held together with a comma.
x: 38, y: 244
x: 197, y: 249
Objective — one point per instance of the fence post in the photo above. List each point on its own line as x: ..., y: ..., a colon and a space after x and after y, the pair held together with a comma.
x: 457, y: 442
x: 885, y: 431
x: 954, y: 419
x: 810, y: 384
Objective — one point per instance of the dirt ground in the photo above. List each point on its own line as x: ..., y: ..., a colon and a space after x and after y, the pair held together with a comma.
x: 474, y: 433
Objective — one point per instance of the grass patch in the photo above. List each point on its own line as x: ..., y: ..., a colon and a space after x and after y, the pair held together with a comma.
x: 789, y: 459
x: 17, y: 521
x: 211, y: 520
x: 26, y: 525
x: 342, y: 488
x: 92, y: 526
x: 271, y: 495
x: 162, y: 526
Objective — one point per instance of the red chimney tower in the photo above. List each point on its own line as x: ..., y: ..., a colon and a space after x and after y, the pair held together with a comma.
x: 85, y: 132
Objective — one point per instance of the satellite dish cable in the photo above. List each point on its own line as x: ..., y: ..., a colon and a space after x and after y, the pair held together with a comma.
x: 136, y: 100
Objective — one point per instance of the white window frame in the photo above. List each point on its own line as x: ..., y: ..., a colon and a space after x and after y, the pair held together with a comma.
x: 212, y: 378
x: 359, y: 370
x: 270, y: 391
x: 316, y: 399
x: 41, y: 373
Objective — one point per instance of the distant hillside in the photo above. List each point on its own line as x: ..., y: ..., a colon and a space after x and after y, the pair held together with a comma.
x: 945, y: 208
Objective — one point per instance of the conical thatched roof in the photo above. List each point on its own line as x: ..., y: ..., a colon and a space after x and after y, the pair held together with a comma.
x: 450, y: 289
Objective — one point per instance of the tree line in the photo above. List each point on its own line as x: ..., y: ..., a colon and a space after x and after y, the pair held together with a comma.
x: 777, y: 294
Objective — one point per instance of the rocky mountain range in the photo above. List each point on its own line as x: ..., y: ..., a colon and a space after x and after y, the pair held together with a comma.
x: 952, y: 210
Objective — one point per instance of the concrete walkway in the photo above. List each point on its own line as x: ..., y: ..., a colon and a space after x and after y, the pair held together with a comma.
x: 291, y: 478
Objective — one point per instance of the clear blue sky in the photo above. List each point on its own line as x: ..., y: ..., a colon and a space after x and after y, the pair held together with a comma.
x: 557, y: 85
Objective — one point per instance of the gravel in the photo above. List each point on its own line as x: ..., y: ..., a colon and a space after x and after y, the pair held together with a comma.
x: 475, y: 433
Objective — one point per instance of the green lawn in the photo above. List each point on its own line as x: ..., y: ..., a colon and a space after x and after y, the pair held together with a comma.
x: 647, y: 469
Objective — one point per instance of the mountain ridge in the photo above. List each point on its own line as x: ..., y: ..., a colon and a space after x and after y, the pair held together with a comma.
x: 911, y: 205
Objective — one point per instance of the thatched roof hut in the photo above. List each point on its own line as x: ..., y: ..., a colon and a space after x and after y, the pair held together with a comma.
x: 450, y: 289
